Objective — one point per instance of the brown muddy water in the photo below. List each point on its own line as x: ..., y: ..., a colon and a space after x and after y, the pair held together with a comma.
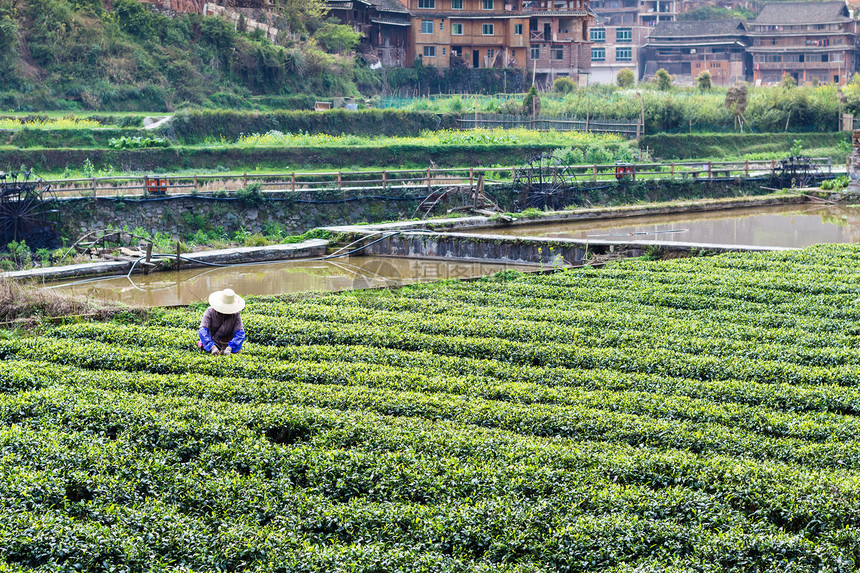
x: 789, y: 226
x: 194, y: 285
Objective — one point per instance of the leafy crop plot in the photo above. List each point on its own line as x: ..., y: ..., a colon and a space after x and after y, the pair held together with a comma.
x: 687, y: 415
x: 430, y: 138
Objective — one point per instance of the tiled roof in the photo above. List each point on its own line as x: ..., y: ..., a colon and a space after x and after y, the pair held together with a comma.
x: 788, y: 13
x: 698, y: 29
x: 388, y: 5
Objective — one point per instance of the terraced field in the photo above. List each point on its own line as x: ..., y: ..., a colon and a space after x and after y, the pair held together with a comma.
x: 688, y: 415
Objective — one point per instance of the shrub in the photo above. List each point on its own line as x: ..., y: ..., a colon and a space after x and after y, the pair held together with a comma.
x: 703, y: 80
x: 625, y: 78
x: 664, y: 79
x: 563, y: 86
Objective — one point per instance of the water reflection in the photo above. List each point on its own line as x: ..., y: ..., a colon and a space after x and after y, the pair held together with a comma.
x: 194, y: 285
x: 775, y: 226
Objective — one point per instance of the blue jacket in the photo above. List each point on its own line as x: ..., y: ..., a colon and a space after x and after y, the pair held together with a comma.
x: 235, y: 344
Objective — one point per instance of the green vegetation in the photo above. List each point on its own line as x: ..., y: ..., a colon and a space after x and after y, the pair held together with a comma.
x: 664, y: 80
x: 79, y: 55
x: 137, y: 142
x: 768, y: 109
x: 724, y: 146
x: 835, y: 184
x: 717, y: 13
x: 703, y: 80
x: 648, y: 416
x: 625, y: 78
x: 445, y: 137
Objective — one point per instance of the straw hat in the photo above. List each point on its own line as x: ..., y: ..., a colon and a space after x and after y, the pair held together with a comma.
x: 226, y: 301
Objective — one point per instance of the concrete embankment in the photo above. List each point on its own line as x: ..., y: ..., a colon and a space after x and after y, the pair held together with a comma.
x: 440, y: 239
x: 233, y: 256
x: 526, y: 250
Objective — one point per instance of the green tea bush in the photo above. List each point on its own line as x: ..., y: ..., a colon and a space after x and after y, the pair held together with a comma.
x: 658, y: 413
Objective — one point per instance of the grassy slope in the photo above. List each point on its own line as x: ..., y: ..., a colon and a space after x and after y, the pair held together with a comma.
x: 663, y: 415
x: 58, y: 54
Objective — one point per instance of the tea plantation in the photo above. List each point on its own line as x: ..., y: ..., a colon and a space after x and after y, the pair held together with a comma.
x: 686, y: 415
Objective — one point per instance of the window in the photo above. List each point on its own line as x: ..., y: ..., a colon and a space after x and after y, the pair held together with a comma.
x: 518, y: 29
x: 457, y: 29
x: 441, y: 25
x: 534, y: 52
x: 426, y: 4
x: 487, y: 4
x: 443, y: 51
x: 487, y: 29
x: 598, y: 34
x: 623, y: 35
x: 623, y: 54
x: 556, y: 53
x: 429, y: 51
x: 598, y: 54
x: 426, y: 26
x: 456, y: 4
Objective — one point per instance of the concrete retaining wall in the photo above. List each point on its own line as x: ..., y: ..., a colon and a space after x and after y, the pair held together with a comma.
x: 524, y: 250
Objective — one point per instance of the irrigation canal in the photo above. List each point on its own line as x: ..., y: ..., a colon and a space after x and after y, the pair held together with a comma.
x: 171, y: 288
x: 786, y: 226
x: 474, y: 246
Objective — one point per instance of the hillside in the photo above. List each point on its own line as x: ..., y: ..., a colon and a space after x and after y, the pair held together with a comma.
x: 59, y: 54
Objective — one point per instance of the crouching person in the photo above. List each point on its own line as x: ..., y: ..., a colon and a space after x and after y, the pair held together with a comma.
x: 221, y: 330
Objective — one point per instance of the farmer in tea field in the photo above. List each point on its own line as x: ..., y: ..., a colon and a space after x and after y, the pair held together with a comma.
x: 221, y: 330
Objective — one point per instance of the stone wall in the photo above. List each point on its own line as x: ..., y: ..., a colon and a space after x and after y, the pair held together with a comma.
x: 182, y: 217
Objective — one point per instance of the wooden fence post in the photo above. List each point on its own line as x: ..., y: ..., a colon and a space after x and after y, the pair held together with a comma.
x: 195, y: 183
x: 673, y: 169
x: 339, y: 180
x: 244, y: 180
x: 594, y: 172
x: 747, y: 168
x: 293, y: 181
x: 471, y: 176
x: 428, y: 181
x: 710, y: 172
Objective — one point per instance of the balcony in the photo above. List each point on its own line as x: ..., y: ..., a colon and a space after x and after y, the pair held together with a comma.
x: 554, y: 6
x: 770, y: 66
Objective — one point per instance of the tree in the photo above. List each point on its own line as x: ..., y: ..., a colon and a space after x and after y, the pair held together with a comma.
x: 301, y: 12
x: 703, y: 80
x: 563, y: 86
x: 787, y: 81
x: 664, y: 80
x: 716, y: 13
x: 736, y: 102
x: 133, y: 18
x: 531, y: 103
x: 337, y: 38
x: 625, y: 78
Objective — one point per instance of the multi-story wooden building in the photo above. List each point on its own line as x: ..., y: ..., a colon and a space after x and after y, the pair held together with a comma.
x: 558, y: 39
x: 474, y: 33
x: 385, y: 26
x: 810, y: 41
x: 687, y: 48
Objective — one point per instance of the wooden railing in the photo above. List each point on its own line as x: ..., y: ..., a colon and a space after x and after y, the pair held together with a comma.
x: 629, y: 128
x: 404, y: 180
